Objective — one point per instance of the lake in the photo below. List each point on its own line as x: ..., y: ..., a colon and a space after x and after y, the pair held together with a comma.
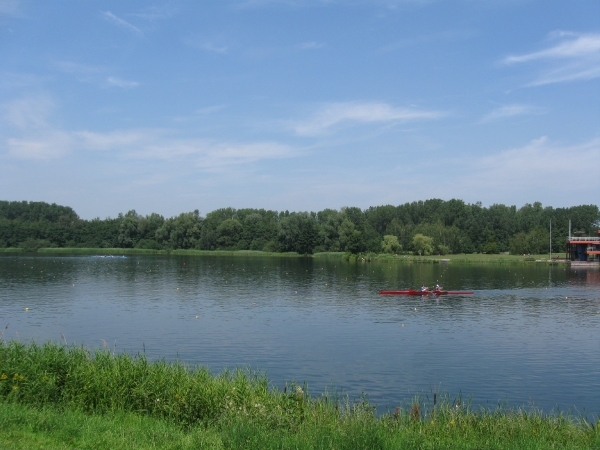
x: 529, y: 336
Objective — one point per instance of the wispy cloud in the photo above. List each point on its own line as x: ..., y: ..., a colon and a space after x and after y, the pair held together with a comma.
x: 210, y: 109
x: 209, y: 45
x: 30, y: 113
x: 534, y: 165
x: 119, y: 82
x: 158, y: 145
x: 154, y: 13
x: 50, y: 145
x: 109, y: 16
x: 35, y: 137
x: 334, y: 114
x: 9, y: 7
x: 73, y: 67
x: 576, y: 57
x: 510, y: 111
x: 38, y: 139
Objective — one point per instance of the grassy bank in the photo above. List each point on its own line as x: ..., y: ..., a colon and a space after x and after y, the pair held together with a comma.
x: 11, y: 250
x: 101, y: 251
x: 475, y: 258
x: 234, y: 253
x: 433, y: 259
x: 56, y: 396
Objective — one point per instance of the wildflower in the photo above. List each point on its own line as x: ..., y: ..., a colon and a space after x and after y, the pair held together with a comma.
x: 452, y: 422
x: 15, y: 388
x: 3, y: 376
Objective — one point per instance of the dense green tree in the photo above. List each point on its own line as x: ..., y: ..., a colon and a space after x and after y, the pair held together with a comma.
x: 390, y: 244
x: 453, y: 225
x: 298, y: 233
x: 350, y: 237
x: 422, y: 244
x: 228, y: 234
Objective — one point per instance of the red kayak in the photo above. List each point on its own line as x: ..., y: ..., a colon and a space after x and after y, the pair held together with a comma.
x: 413, y: 292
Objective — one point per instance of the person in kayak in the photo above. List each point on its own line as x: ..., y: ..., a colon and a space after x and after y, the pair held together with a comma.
x: 424, y: 288
x: 438, y: 288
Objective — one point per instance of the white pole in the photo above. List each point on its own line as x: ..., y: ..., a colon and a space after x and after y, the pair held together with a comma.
x: 550, y: 240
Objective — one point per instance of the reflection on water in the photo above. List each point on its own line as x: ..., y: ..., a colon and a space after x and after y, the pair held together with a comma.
x: 529, y: 335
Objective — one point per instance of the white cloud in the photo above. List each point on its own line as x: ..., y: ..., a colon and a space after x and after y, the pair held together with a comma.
x: 50, y: 145
x: 154, y: 13
x: 109, y: 16
x: 207, y: 44
x: 510, y: 111
x: 580, y: 46
x: 336, y: 113
x: 72, y: 67
x: 29, y: 113
x: 210, y: 47
x: 158, y: 145
x: 575, y: 58
x: 119, y: 82
x: 538, y: 165
x: 9, y: 7
x: 210, y: 109
x: 35, y: 137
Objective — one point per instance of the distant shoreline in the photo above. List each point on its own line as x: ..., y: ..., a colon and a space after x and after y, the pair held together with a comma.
x: 479, y: 258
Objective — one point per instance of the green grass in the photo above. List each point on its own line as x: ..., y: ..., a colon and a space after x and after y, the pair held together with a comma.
x: 26, y: 427
x: 234, y: 253
x: 101, y: 251
x: 11, y: 250
x: 142, y: 251
x: 336, y: 255
x: 55, y: 396
x: 478, y: 258
x: 468, y: 258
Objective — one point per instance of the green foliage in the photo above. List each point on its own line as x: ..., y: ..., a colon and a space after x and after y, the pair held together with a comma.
x: 537, y: 241
x: 422, y: 244
x: 454, y: 226
x: 390, y: 244
x: 490, y: 247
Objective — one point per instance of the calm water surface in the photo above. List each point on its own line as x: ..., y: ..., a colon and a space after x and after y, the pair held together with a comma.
x: 529, y: 336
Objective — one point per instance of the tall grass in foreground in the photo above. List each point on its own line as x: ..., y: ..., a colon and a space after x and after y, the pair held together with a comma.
x: 240, y: 410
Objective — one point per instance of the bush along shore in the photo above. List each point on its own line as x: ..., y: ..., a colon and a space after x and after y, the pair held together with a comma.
x: 59, y: 396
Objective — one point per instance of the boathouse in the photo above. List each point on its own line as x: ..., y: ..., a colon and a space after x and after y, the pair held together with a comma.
x: 584, y: 248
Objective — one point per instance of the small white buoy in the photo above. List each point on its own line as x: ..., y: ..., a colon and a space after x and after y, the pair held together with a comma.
x: 26, y: 309
x: 196, y: 317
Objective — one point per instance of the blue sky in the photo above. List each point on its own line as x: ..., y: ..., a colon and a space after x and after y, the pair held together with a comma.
x: 173, y: 106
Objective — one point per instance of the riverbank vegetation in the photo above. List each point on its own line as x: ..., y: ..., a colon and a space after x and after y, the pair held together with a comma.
x: 58, y: 396
x: 431, y: 227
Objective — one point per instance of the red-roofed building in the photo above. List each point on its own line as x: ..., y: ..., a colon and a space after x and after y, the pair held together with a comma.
x: 584, y: 248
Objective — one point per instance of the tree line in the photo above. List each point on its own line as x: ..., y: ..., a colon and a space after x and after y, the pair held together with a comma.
x: 427, y: 227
